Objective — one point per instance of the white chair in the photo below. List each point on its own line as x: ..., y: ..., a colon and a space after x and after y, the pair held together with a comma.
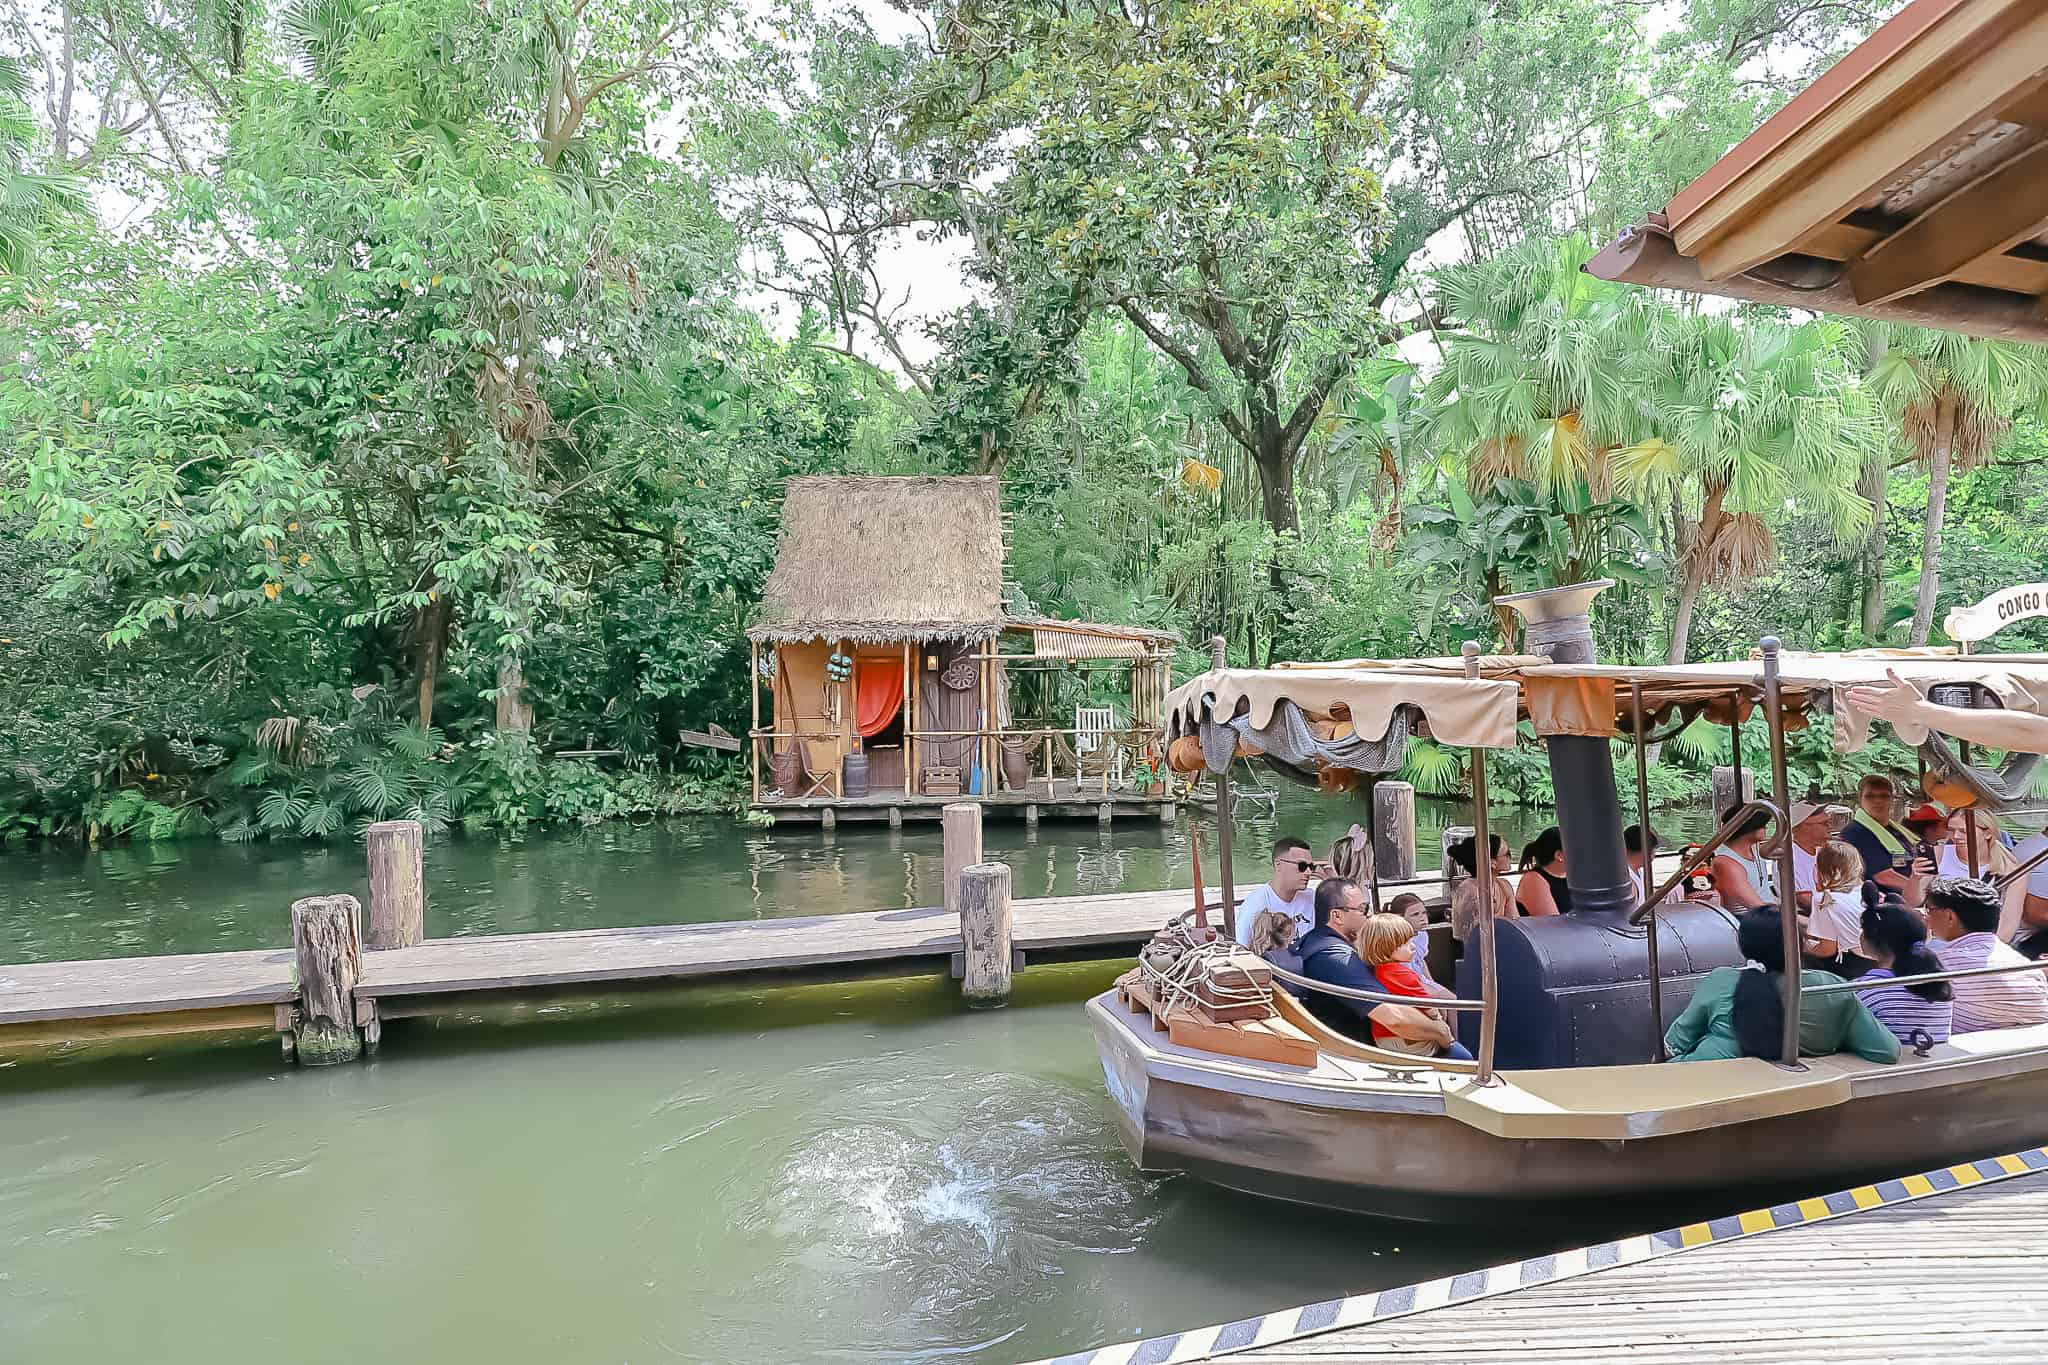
x: 1093, y: 727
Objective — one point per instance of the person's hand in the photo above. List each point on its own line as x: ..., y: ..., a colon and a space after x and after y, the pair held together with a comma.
x: 1924, y: 866
x: 1895, y: 701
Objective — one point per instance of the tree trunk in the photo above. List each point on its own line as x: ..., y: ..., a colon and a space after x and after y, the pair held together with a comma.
x: 430, y: 627
x: 1275, y: 463
x: 1876, y: 474
x: 1937, y: 511
x: 1693, y: 571
x: 515, y: 717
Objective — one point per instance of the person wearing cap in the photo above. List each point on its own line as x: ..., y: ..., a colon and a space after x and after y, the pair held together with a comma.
x: 1962, y: 916
x: 1888, y: 852
x: 1813, y: 824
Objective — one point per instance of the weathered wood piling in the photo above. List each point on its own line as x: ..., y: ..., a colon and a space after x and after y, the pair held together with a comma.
x: 985, y: 935
x: 1393, y: 830
x: 327, y: 938
x: 398, y: 885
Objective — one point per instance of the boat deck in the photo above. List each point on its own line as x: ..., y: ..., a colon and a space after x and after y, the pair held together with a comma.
x: 1946, y: 1264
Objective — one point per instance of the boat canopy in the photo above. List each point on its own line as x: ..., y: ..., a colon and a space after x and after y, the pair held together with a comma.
x: 1366, y: 695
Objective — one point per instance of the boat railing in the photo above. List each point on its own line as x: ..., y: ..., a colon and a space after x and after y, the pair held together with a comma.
x: 1704, y: 854
x: 1959, y: 974
x: 2033, y: 860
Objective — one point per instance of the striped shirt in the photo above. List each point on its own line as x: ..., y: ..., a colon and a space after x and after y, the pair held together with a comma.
x: 1905, y: 1013
x: 1984, y: 1002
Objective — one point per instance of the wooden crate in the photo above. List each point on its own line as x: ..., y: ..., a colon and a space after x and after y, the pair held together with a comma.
x: 1260, y: 1040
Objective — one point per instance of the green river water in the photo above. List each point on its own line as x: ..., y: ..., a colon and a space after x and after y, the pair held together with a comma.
x: 845, y: 1172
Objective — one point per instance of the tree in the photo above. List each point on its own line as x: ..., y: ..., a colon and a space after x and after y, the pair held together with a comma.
x: 1953, y: 398
x: 29, y: 198
x: 1751, y: 418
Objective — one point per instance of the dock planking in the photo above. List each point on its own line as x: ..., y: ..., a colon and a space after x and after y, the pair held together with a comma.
x: 186, y: 992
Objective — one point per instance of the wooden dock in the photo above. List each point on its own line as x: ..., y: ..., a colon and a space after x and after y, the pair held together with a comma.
x: 1946, y: 1264
x: 1068, y: 800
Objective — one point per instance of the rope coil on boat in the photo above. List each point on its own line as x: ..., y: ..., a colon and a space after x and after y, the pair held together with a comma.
x: 1175, y: 967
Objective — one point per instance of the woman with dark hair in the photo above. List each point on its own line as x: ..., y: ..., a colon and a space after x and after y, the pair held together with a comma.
x: 1896, y: 940
x: 1740, y: 1011
x: 1465, y: 895
x: 1542, y: 890
x: 1742, y: 874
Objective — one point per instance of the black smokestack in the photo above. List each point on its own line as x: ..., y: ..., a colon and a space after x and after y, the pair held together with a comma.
x: 1559, y: 625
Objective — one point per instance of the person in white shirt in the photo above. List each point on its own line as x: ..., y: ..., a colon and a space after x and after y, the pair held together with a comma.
x: 2033, y: 935
x: 1993, y: 860
x: 1286, y: 890
x: 1813, y: 824
x: 1962, y: 914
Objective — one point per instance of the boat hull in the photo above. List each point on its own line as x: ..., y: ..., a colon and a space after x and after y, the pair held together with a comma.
x: 1392, y: 1149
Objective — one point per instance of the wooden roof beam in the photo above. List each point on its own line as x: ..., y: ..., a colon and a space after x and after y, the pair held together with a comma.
x: 2000, y: 209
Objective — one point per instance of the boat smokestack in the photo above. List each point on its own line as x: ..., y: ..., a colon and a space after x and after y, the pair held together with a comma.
x: 1558, y: 624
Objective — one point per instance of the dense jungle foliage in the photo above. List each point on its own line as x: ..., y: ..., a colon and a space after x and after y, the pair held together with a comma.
x: 399, y: 392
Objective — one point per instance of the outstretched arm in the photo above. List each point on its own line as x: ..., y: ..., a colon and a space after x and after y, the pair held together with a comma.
x: 1899, y: 700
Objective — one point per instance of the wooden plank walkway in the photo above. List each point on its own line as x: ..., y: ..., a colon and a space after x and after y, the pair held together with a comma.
x: 1948, y: 1264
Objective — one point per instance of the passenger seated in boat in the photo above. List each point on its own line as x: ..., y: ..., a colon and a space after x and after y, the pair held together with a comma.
x: 1412, y: 908
x: 1742, y: 875
x: 1740, y: 1011
x: 1542, y: 890
x: 1328, y: 956
x: 1385, y: 942
x: 1465, y: 895
x: 1286, y: 890
x: 1895, y: 940
x: 1273, y: 938
x: 1962, y: 915
x: 1834, y: 931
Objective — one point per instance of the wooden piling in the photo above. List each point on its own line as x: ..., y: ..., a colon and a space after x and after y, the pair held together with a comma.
x: 985, y: 934
x: 1031, y: 815
x: 1725, y: 796
x: 1453, y: 874
x: 398, y: 887
x: 961, y: 826
x: 1393, y: 831
x: 327, y: 937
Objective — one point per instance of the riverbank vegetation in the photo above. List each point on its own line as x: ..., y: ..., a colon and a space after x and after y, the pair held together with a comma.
x: 397, y: 397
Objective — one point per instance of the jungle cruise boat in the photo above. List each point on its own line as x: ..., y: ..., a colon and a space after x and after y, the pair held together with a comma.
x: 1215, y: 1072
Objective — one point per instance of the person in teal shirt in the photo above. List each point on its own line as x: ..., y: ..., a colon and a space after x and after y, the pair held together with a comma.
x: 1740, y: 1011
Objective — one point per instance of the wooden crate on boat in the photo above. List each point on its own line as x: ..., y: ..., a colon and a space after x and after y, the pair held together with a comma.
x: 1270, y: 1039
x: 1220, y: 996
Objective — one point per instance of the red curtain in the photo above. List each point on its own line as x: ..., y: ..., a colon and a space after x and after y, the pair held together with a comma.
x: 878, y: 694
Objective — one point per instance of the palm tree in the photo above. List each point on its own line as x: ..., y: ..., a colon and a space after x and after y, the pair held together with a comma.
x: 29, y: 199
x: 1543, y: 380
x: 1749, y: 418
x: 1953, y: 398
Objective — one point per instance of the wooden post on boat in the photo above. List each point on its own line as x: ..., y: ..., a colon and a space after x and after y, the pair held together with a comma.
x: 398, y: 888
x: 1788, y: 914
x: 961, y: 826
x: 1482, y: 860
x: 1635, y: 701
x: 1727, y: 794
x: 985, y: 937
x: 1393, y: 831
x: 1217, y: 657
x: 327, y: 937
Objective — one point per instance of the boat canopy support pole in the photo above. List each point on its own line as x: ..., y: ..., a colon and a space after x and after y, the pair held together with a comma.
x: 1217, y: 657
x: 1635, y: 702
x: 1482, y: 870
x: 1788, y: 900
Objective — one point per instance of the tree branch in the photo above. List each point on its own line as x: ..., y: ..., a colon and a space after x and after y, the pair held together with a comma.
x: 1232, y: 423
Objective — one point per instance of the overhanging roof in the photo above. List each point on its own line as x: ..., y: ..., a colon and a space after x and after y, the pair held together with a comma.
x: 1909, y: 183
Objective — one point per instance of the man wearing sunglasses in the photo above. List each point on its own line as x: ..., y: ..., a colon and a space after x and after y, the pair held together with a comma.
x: 1286, y: 890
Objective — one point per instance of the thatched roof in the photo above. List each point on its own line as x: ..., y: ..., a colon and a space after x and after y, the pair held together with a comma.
x: 875, y: 560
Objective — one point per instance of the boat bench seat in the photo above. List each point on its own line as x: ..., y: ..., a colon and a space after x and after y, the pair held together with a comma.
x: 1613, y: 1102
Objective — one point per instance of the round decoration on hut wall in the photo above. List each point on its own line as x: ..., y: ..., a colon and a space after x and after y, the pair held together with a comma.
x: 838, y: 667
x: 960, y: 676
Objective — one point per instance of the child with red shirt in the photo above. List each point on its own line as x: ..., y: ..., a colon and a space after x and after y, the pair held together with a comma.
x: 1384, y: 944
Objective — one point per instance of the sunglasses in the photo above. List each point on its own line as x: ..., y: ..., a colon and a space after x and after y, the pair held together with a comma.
x: 1303, y: 864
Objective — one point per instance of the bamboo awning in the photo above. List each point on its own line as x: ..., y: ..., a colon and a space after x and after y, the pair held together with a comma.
x: 1088, y: 640
x: 1593, y: 699
x: 1909, y: 183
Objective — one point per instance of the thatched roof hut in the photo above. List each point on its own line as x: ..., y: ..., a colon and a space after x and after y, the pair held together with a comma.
x: 877, y: 560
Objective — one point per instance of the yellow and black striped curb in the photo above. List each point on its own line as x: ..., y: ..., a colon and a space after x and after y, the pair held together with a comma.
x: 1358, y: 1309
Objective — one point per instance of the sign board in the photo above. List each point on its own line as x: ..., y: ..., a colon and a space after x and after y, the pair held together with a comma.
x: 1967, y: 625
x: 719, y: 740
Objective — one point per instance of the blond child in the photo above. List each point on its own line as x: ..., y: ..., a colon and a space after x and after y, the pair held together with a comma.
x: 1834, y: 929
x: 1386, y: 943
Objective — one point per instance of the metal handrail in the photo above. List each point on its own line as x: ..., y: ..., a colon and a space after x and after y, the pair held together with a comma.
x: 1865, y: 984
x: 2005, y: 879
x: 1691, y: 862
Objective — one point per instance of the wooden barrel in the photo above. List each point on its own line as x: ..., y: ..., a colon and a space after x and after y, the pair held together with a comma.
x: 853, y: 774
x: 787, y: 768
x: 1016, y: 769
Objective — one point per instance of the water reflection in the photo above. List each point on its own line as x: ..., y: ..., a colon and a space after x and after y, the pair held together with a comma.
x: 200, y: 896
